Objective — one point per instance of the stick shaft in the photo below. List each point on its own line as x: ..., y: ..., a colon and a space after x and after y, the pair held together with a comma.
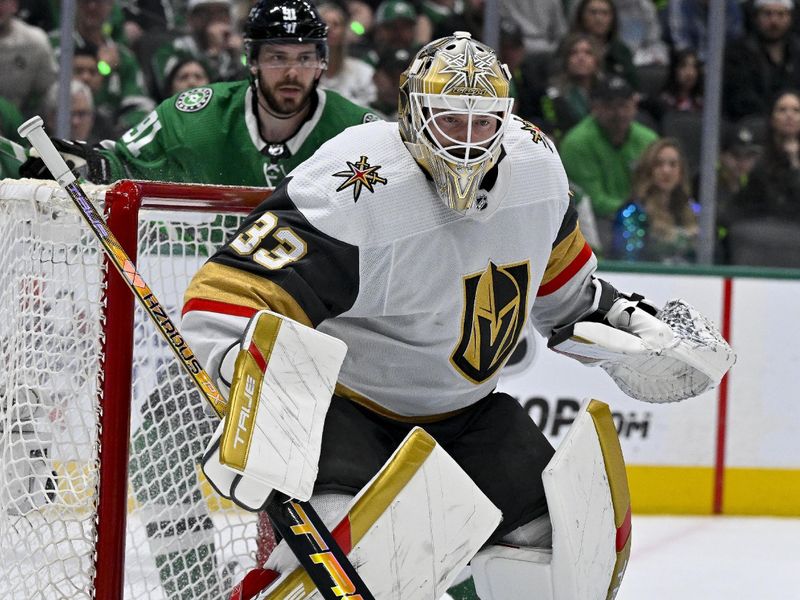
x: 304, y: 546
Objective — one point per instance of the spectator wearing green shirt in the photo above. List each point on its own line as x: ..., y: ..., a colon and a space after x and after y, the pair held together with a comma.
x: 600, y: 152
x: 212, y: 38
x: 122, y: 93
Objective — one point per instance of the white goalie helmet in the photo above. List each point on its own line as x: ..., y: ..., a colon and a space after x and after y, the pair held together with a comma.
x: 455, y: 84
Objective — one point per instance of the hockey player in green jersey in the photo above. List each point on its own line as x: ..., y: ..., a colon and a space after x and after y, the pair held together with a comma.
x: 244, y: 133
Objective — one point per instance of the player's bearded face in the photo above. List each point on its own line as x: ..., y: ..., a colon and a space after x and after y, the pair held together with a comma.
x: 286, y: 77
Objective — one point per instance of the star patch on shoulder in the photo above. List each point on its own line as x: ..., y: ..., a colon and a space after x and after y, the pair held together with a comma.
x: 361, y: 175
x: 536, y: 134
x: 193, y: 100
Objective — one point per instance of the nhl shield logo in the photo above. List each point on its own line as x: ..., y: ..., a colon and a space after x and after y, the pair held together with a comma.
x: 193, y: 100
x: 495, y: 310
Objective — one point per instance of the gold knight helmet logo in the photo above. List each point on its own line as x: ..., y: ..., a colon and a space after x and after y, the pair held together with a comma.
x: 495, y: 309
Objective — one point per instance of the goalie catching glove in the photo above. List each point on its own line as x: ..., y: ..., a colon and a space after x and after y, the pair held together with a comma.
x: 81, y: 158
x: 283, y: 380
x: 653, y: 355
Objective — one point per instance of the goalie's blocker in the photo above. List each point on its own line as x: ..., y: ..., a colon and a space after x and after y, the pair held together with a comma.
x: 283, y: 381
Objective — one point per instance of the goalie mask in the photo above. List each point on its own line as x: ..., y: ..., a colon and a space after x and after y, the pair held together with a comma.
x: 453, y: 111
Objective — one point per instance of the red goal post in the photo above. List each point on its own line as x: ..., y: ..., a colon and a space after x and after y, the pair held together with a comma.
x: 82, y: 369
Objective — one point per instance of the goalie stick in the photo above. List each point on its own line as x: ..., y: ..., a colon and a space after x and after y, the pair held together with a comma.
x: 305, y: 533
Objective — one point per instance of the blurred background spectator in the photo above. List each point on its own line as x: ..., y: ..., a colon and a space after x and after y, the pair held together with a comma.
x: 82, y: 113
x: 659, y: 222
x: 683, y: 89
x: 543, y: 23
x: 26, y: 61
x: 765, y: 62
x: 211, y: 38
x: 391, y: 63
x: 600, y: 152
x: 396, y: 26
x: 568, y: 97
x: 185, y: 73
x: 349, y: 76
x: 529, y: 72
x: 688, y: 24
x: 122, y: 94
x: 598, y: 18
x: 765, y: 218
x: 740, y: 149
x: 86, y: 69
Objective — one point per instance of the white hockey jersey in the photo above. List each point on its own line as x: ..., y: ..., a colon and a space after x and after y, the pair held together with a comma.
x: 430, y: 302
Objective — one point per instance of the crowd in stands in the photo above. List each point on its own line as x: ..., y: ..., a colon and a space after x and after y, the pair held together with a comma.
x: 617, y: 84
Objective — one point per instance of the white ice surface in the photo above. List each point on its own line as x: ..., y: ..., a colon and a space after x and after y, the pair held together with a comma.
x: 713, y: 558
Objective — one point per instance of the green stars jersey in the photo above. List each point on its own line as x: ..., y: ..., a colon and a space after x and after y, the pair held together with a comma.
x: 210, y: 135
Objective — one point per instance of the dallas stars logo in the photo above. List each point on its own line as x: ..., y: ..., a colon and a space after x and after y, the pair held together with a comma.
x: 536, y: 134
x: 470, y: 70
x: 361, y: 175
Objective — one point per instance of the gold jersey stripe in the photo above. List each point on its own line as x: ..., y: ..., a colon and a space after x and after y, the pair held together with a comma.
x: 563, y: 254
x: 226, y: 284
x: 349, y: 394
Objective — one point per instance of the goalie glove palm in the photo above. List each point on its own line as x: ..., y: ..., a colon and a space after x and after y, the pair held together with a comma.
x: 83, y: 160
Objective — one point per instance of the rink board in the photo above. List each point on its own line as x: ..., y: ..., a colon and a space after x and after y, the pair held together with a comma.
x: 733, y: 450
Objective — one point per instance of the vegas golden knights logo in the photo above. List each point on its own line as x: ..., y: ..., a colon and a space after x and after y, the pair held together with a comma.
x: 495, y: 309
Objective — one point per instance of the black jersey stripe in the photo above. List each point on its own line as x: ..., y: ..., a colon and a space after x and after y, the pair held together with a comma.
x: 324, y: 281
x: 568, y: 225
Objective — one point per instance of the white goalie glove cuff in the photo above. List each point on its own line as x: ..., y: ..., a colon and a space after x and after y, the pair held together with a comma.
x: 665, y: 356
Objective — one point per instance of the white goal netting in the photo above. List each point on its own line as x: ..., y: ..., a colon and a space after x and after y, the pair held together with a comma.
x: 57, y: 380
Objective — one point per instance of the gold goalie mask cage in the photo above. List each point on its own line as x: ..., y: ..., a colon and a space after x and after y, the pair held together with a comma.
x: 455, y: 80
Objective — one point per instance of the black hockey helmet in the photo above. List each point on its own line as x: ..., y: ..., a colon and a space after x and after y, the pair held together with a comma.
x: 285, y: 22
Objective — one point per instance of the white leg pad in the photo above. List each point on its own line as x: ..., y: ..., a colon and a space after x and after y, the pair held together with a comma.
x: 411, y: 530
x: 589, y: 504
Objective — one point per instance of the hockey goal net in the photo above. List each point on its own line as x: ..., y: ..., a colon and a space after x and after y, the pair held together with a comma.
x: 101, y: 495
